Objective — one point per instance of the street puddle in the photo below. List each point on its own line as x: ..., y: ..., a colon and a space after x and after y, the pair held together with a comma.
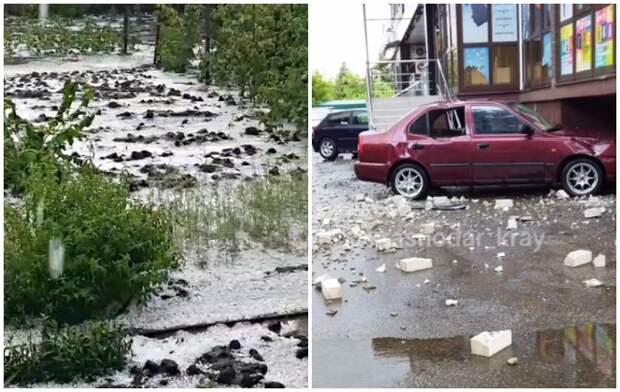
x: 578, y: 356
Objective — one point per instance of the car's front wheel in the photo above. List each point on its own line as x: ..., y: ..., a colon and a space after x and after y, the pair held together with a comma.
x: 582, y: 177
x: 411, y: 181
x: 328, y: 149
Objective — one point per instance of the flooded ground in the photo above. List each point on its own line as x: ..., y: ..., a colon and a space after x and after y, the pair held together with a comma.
x: 172, y: 133
x: 395, y: 326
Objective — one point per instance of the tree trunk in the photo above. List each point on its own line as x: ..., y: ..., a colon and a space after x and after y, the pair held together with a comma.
x: 157, y: 31
x: 125, y: 29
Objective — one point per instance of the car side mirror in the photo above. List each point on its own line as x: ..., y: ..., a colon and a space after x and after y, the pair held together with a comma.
x: 526, y: 129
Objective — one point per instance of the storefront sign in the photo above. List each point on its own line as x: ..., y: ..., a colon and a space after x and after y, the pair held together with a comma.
x: 583, y: 44
x: 504, y: 22
x: 476, y: 62
x: 604, y: 49
x: 475, y: 23
x: 566, y: 49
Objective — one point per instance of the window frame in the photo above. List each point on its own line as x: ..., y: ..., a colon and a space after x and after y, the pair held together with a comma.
x: 490, y: 45
x: 538, y: 33
x: 589, y: 11
x: 474, y: 131
x: 426, y: 116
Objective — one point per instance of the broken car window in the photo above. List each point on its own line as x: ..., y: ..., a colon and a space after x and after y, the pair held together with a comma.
x: 493, y: 120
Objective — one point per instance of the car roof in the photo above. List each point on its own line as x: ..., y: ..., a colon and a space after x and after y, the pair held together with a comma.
x: 458, y: 102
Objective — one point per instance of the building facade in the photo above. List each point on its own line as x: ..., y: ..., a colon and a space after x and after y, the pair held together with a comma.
x: 557, y: 58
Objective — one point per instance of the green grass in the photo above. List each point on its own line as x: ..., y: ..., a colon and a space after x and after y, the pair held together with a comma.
x: 64, y: 353
x: 271, y: 210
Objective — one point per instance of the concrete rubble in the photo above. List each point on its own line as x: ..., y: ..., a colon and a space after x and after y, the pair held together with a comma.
x: 331, y: 289
x: 577, y: 258
x: 413, y: 264
x: 594, y: 212
x: 487, y: 344
x: 599, y: 261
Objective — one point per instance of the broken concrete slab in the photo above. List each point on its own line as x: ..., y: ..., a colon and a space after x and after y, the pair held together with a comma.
x: 331, y: 289
x: 503, y: 204
x: 594, y: 212
x: 384, y: 244
x: 561, y: 194
x: 599, y: 261
x: 381, y: 268
x: 328, y: 236
x: 452, y: 302
x: 487, y: 343
x: 428, y: 228
x: 413, y: 264
x: 512, y: 224
x: 578, y: 257
x: 592, y: 283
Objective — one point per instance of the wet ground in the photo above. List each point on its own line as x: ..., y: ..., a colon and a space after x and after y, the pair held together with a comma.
x: 173, y: 133
x: 393, y: 329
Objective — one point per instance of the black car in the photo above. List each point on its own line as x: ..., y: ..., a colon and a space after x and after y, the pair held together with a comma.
x: 338, y: 132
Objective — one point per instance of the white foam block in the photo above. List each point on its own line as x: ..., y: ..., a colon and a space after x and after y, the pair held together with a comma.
x: 331, y: 289
x: 488, y: 344
x: 412, y: 264
x: 578, y: 257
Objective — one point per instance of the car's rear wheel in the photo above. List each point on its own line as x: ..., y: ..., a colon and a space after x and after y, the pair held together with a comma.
x: 582, y: 177
x: 411, y: 181
x: 328, y: 149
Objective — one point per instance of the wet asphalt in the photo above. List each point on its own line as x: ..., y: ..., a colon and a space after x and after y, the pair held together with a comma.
x: 402, y: 334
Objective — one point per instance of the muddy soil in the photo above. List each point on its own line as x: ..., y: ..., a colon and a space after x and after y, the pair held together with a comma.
x: 170, y: 132
x: 396, y: 327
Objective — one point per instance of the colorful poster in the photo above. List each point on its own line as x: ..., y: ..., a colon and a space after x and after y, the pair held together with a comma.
x: 566, y: 49
x: 504, y: 22
x: 583, y: 44
x: 475, y: 23
x: 546, y: 57
x: 476, y: 66
x: 604, y: 49
x: 566, y: 11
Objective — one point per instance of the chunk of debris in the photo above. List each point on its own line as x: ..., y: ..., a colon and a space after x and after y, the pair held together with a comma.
x: 426, y: 281
x: 578, y: 257
x: 412, y: 264
x: 599, y: 261
x: 381, y: 268
x: 328, y: 236
x: 428, y: 228
x: 331, y: 289
x: 384, y: 244
x: 360, y: 197
x: 512, y: 361
x: 501, y: 255
x: 452, y: 302
x: 317, y: 282
x: 594, y: 212
x: 592, y: 283
x: 503, y: 204
x: 561, y: 194
x: 512, y: 224
x: 488, y: 343
x: 331, y: 312
x: 498, y: 269
x: 394, y: 314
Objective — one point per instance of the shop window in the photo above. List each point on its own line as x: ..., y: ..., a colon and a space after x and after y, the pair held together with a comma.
x: 504, y: 22
x: 504, y: 60
x: 604, y: 37
x: 475, y: 19
x: 583, y: 44
x: 489, y: 34
x: 566, y: 50
x: 476, y: 64
x: 586, y: 41
x: 537, y: 44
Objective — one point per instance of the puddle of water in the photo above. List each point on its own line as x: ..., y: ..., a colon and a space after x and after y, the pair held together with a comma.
x: 579, y: 356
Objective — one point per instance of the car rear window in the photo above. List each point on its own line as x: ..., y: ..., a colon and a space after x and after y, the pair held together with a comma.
x: 343, y: 118
x: 360, y: 118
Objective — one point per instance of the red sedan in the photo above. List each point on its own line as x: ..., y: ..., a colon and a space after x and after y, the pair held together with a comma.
x: 484, y: 143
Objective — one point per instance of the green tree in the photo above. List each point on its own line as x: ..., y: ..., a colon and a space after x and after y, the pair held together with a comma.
x: 349, y: 85
x: 323, y: 90
x: 262, y: 49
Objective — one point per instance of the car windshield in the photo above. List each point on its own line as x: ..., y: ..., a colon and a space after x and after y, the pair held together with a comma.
x: 534, y: 117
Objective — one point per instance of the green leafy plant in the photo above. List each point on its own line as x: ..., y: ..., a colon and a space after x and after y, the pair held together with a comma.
x: 64, y: 353
x: 262, y: 49
x: 115, y: 251
x: 27, y: 146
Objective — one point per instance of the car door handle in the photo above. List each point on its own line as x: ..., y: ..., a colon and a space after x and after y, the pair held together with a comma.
x: 483, y: 146
x: 418, y: 146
